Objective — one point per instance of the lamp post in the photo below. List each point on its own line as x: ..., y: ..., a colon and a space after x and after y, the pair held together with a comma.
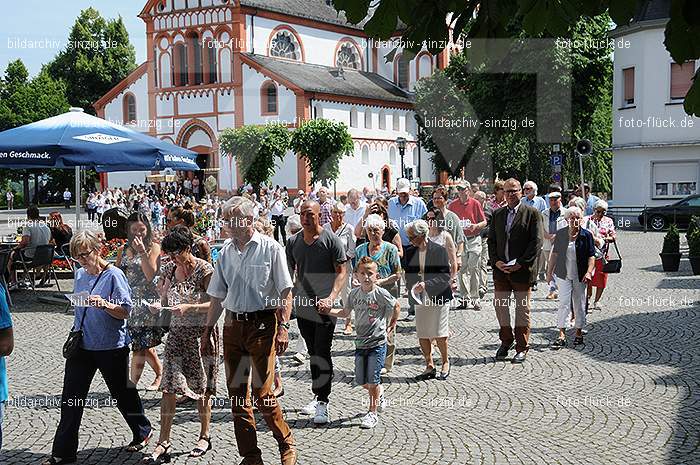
x: 401, y: 143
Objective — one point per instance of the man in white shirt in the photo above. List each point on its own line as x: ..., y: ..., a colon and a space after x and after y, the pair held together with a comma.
x: 66, y: 198
x: 252, y: 283
x: 355, y: 209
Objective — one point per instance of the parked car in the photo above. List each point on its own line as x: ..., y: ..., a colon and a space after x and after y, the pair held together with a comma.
x: 659, y: 218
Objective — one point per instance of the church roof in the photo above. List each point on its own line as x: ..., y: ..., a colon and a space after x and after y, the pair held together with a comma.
x: 318, y: 10
x: 653, y: 9
x: 327, y: 80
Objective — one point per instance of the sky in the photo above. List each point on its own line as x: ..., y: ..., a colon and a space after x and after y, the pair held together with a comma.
x: 46, y: 25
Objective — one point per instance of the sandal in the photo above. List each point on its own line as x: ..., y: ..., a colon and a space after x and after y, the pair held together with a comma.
x: 137, y: 445
x: 163, y: 457
x: 197, y: 452
x: 559, y: 343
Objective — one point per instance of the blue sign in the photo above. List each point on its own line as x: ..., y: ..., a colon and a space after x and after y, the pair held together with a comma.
x: 556, y: 159
x: 556, y: 177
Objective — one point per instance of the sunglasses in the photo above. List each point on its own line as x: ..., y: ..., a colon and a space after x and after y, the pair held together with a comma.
x: 512, y: 191
x: 84, y: 255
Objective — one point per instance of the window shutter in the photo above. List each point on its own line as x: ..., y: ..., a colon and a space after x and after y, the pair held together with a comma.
x: 628, y: 93
x: 681, y: 79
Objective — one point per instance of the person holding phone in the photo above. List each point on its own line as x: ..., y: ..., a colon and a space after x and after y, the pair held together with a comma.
x: 572, y: 261
x: 515, y: 240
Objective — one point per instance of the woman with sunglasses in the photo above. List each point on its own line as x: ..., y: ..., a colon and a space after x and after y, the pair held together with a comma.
x: 606, y: 230
x: 139, y: 258
x: 391, y: 231
x: 102, y: 316
x: 183, y: 284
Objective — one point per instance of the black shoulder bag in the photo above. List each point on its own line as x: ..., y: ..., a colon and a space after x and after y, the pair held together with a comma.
x: 613, y: 266
x: 75, y: 337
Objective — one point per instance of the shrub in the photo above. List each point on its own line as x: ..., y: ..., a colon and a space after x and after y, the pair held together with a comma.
x: 672, y: 241
x: 694, y: 243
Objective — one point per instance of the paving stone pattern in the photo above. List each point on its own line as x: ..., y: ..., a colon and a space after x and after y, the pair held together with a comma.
x: 628, y: 396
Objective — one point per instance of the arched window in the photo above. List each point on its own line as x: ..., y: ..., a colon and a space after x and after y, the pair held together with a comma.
x: 285, y: 45
x: 353, y: 117
x: 368, y: 119
x: 196, y: 58
x: 365, y: 155
x: 129, y: 109
x: 348, y: 56
x: 209, y: 57
x: 410, y: 123
x: 392, y: 156
x: 382, y: 120
x: 268, y: 95
x: 180, y: 74
x: 396, y: 124
x: 416, y: 161
x: 403, y: 73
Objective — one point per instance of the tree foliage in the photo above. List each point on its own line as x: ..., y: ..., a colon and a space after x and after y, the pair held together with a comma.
x: 322, y: 143
x: 257, y: 149
x: 24, y: 101
x: 98, y: 56
x: 425, y: 20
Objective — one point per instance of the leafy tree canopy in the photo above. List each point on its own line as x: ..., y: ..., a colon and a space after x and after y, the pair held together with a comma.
x: 97, y: 57
x: 322, y: 143
x: 425, y: 22
x: 257, y: 149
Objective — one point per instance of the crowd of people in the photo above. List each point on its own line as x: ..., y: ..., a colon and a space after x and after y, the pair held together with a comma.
x: 315, y: 259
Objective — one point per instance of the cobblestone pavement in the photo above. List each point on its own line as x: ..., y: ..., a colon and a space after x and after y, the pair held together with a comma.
x: 629, y: 396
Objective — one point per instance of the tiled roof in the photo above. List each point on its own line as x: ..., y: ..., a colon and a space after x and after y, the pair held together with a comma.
x: 319, y: 10
x: 653, y: 9
x: 324, y: 79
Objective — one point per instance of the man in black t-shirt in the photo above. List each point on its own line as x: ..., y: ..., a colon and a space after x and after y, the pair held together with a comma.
x: 316, y: 256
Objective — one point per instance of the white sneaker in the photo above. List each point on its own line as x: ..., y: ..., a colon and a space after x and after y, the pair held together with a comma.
x: 381, y: 406
x: 310, y: 408
x: 299, y: 357
x: 322, y: 416
x: 369, y: 421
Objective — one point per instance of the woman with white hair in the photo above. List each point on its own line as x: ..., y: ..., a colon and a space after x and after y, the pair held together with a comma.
x: 346, y: 234
x: 428, y: 277
x: 606, y: 231
x: 572, y: 261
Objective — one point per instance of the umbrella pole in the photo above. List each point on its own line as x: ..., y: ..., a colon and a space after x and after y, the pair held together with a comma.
x: 77, y: 199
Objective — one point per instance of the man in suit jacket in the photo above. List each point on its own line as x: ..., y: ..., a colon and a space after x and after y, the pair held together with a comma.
x: 515, y: 235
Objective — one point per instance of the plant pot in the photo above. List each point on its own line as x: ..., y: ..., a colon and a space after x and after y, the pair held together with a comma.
x: 695, y: 264
x: 670, y: 261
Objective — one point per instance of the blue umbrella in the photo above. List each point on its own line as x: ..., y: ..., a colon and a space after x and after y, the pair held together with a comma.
x: 76, y: 139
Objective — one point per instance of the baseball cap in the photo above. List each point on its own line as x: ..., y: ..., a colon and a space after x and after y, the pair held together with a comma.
x: 403, y: 186
x: 554, y: 195
x: 461, y: 185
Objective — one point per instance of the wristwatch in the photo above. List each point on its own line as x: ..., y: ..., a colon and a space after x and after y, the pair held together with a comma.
x: 284, y: 324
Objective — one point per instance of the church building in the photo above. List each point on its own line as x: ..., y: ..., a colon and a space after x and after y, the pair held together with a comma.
x: 217, y: 64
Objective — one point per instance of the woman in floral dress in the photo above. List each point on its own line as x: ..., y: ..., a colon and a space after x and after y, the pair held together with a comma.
x: 183, y: 284
x: 139, y: 259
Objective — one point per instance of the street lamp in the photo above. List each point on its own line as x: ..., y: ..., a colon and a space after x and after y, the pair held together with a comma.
x: 401, y: 143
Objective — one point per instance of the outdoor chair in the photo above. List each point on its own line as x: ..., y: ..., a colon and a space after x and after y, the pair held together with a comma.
x: 42, y: 260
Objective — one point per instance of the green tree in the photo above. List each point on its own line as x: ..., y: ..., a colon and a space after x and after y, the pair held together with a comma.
x: 257, y: 149
x: 463, y: 92
x: 425, y: 20
x: 97, y: 57
x: 22, y: 102
x: 322, y: 143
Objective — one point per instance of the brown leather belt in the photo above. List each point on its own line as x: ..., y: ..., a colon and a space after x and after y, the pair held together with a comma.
x: 250, y: 316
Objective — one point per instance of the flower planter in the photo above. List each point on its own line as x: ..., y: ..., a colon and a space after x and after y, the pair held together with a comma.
x: 695, y: 264
x: 670, y: 261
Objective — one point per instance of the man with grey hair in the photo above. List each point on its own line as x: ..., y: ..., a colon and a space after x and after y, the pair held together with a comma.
x: 318, y: 257
x: 251, y: 282
x: 531, y: 198
x: 355, y: 209
x: 326, y: 204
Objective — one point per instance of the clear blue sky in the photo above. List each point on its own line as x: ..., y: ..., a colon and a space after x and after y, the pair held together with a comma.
x: 48, y: 23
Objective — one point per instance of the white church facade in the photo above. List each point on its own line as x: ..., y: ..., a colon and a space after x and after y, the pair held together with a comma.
x: 217, y: 64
